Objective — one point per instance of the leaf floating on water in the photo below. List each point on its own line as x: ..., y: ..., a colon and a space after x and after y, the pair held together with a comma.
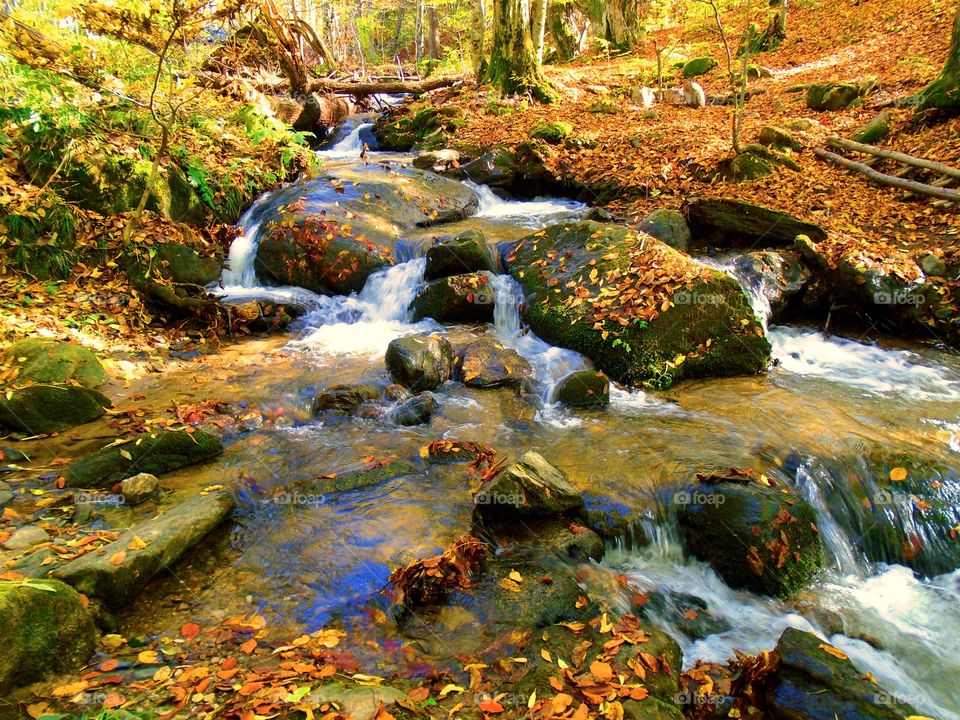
x: 831, y: 650
x: 898, y: 474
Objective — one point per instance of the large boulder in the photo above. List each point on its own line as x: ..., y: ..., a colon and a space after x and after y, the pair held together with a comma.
x: 485, y: 363
x: 45, y: 628
x: 584, y: 388
x: 458, y: 298
x: 45, y: 409
x: 643, y: 312
x: 174, y: 275
x: 529, y: 487
x: 428, y: 128
x: 154, y: 453
x: 755, y: 537
x: 420, y: 362
x: 522, y: 171
x: 329, y: 234
x: 468, y: 252
x: 115, y: 573
x: 816, y: 681
x: 52, y: 361
x: 667, y: 226
x: 725, y: 222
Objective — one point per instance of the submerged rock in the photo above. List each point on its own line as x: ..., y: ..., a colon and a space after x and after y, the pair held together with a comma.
x: 584, y: 388
x: 51, y: 361
x: 529, y: 487
x: 468, y: 252
x: 755, y: 537
x: 139, y: 488
x: 420, y: 362
x: 45, y: 628
x: 154, y: 453
x: 485, y: 363
x: 26, y: 537
x: 416, y: 410
x: 344, y: 399
x: 643, y: 312
x: 815, y: 681
x: 458, y: 298
x: 116, y: 573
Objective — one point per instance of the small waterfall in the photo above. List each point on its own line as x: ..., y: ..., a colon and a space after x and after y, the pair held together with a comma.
x: 550, y: 363
x: 751, y: 286
x: 536, y: 213
x: 835, y: 541
x: 349, y: 139
x: 365, y: 323
x: 239, y: 271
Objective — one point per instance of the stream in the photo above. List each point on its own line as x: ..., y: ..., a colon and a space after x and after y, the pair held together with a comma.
x: 321, y: 558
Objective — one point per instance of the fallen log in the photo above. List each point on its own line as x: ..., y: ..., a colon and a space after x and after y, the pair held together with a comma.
x: 878, y: 177
x: 893, y: 155
x: 398, y: 87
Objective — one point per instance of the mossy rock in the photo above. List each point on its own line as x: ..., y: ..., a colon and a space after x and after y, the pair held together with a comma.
x: 875, y: 130
x: 584, y: 388
x: 45, y: 628
x: 176, y: 276
x: 426, y: 129
x: 344, y: 399
x: 154, y: 453
x: 755, y: 537
x: 552, y: 132
x: 52, y: 361
x: 45, y: 409
x: 656, y: 351
x: 485, y: 363
x: 726, y: 222
x: 459, y: 298
x: 669, y: 227
x: 361, y: 477
x: 468, y: 252
x: 698, y: 66
x: 758, y: 72
x: 744, y: 166
x: 604, y: 107
x: 773, y: 136
x: 420, y: 362
x: 42, y: 238
x: 837, y: 95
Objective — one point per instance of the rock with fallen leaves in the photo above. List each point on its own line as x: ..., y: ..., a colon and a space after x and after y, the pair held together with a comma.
x: 530, y: 487
x: 45, y: 409
x: 754, y: 535
x: 643, y: 312
x: 45, y: 628
x: 420, y: 362
x: 41, y: 360
x: 816, y: 681
x: 465, y: 298
x: 154, y: 453
x: 117, y: 572
x: 485, y: 363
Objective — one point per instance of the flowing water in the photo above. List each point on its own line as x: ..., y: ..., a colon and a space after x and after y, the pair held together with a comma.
x: 318, y: 557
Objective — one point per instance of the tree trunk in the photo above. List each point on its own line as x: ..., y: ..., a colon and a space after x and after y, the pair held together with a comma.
x: 539, y: 26
x: 433, y: 35
x: 622, y: 23
x: 944, y: 92
x: 478, y: 37
x: 513, y: 65
x: 397, y: 33
x: 419, y: 39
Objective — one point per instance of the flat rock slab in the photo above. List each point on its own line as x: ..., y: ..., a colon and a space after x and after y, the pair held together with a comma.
x: 116, y: 573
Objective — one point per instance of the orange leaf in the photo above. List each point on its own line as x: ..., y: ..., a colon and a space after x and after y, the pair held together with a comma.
x: 190, y: 631
x: 118, y: 557
x: 601, y: 670
x: 419, y: 694
x: 491, y: 706
x: 114, y: 700
x: 249, y: 646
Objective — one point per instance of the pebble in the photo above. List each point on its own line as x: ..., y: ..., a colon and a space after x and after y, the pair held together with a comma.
x: 26, y: 537
x: 138, y: 488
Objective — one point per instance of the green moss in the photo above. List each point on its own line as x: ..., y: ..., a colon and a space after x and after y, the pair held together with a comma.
x: 875, y: 130
x: 698, y: 66
x: 552, y: 132
x: 45, y: 409
x: 355, y: 479
x: 51, y: 361
x: 154, y: 453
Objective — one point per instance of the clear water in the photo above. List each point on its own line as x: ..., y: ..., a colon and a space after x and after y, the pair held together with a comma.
x: 828, y: 397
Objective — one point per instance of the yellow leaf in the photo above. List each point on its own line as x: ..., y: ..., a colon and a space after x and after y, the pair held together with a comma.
x: 451, y: 688
x: 545, y: 654
x: 118, y: 557
x: 515, y: 576
x: 125, y: 454
x: 138, y: 543
x: 831, y: 650
x: 898, y: 474
x: 149, y: 657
